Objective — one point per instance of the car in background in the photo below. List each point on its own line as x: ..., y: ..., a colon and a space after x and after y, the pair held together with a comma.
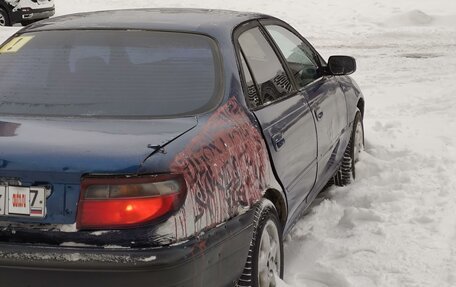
x: 170, y: 147
x: 25, y: 11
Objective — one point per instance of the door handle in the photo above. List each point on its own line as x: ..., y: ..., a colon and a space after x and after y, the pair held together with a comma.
x: 318, y: 113
x: 278, y: 141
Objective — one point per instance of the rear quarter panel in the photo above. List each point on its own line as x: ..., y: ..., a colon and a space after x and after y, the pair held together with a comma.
x: 225, y: 163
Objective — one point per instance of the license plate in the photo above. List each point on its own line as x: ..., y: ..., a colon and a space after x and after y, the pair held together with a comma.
x: 22, y: 201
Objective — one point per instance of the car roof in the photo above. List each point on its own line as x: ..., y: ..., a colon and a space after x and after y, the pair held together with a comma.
x: 170, y: 19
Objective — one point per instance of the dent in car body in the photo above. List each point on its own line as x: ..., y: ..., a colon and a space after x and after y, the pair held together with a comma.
x: 224, y: 166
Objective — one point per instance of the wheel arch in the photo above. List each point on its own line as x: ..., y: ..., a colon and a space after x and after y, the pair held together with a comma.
x: 360, y: 106
x: 279, y: 201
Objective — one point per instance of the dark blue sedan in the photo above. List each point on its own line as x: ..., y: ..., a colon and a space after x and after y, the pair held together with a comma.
x: 165, y: 147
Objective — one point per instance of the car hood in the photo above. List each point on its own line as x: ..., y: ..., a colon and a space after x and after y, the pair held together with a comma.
x: 80, y: 146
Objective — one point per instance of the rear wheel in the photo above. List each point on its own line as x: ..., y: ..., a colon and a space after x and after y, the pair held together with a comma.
x: 4, y: 19
x: 347, y: 172
x: 265, y: 259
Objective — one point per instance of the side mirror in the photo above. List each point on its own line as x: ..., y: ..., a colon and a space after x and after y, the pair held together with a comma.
x: 341, y: 65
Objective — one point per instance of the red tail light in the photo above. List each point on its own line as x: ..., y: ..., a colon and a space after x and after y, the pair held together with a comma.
x: 124, y: 202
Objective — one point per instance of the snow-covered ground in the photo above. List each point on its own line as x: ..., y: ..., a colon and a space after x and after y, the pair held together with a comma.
x: 396, y: 226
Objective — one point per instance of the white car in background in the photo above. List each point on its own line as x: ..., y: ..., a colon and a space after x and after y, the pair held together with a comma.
x: 25, y: 11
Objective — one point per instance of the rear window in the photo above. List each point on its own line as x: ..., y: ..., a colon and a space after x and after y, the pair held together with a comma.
x: 99, y: 73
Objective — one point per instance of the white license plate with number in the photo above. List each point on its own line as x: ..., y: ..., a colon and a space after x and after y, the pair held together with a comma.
x: 22, y: 201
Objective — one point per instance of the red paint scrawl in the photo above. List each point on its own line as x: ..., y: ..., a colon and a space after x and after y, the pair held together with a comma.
x: 225, y: 164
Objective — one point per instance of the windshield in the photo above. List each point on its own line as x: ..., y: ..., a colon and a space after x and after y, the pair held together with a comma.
x: 109, y: 73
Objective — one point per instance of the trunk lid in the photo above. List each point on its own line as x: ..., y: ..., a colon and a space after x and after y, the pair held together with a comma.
x: 57, y: 152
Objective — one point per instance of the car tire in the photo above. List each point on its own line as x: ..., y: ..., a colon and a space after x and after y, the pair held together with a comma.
x: 4, y: 19
x: 265, y: 258
x: 347, y: 172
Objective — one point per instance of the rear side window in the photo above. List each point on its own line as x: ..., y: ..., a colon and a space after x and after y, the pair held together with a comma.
x: 268, y: 72
x: 252, y: 96
x: 110, y: 74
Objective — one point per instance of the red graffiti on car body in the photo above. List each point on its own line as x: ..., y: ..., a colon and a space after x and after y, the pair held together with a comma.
x: 224, y: 166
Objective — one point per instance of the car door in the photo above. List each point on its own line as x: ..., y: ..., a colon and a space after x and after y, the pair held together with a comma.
x: 322, y: 92
x: 283, y: 113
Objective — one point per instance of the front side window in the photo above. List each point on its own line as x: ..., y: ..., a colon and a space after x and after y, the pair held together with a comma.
x: 94, y: 73
x: 268, y: 72
x: 297, y: 54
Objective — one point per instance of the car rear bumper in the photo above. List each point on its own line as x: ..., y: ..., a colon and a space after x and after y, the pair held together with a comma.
x: 27, y: 14
x: 215, y: 259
